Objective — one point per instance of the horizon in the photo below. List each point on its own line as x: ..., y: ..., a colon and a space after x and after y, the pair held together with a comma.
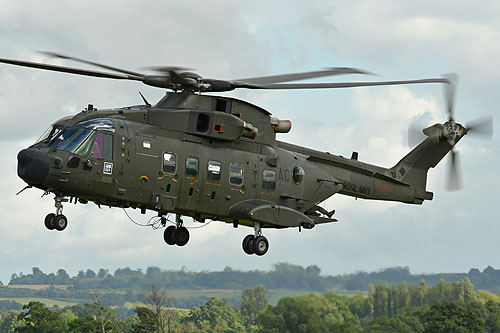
x: 186, y: 269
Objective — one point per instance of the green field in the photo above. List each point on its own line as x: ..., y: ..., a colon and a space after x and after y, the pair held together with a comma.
x: 47, y: 301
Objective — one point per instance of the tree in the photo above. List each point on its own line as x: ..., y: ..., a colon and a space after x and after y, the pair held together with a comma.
x: 40, y: 319
x: 9, y: 321
x: 253, y: 301
x: 492, y: 322
x: 215, y: 316
x: 404, y: 295
x: 145, y: 320
x: 105, y: 317
x: 381, y: 300
x: 418, y: 294
x: 360, y: 306
x: 62, y: 277
x: 451, y: 317
x: 158, y: 305
x: 90, y: 274
x: 398, y: 324
x: 309, y: 313
x: 102, y: 273
x: 83, y: 325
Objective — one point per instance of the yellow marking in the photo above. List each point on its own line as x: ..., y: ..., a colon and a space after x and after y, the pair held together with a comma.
x: 144, y: 177
x: 172, y: 177
x: 266, y: 193
x: 214, y: 184
x: 239, y: 190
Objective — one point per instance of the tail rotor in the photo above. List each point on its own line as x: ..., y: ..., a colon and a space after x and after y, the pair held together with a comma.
x: 452, y: 132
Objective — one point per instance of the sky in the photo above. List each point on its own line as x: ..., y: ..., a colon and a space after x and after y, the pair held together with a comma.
x: 232, y: 39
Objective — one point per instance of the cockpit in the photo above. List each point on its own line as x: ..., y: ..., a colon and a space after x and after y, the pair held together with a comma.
x: 78, y: 138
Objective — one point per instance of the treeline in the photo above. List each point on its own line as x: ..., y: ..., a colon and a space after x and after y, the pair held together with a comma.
x: 283, y: 275
x: 113, y: 298
x: 452, y: 307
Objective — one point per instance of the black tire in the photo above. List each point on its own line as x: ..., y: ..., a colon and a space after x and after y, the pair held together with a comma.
x: 260, y: 245
x: 168, y: 235
x: 50, y: 221
x: 61, y: 222
x: 248, y: 244
x: 181, y: 236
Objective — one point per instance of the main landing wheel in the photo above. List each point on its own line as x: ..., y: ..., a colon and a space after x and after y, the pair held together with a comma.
x: 50, y: 221
x: 181, y: 236
x: 61, y: 222
x: 176, y: 236
x: 260, y: 245
x: 248, y: 244
x: 168, y: 235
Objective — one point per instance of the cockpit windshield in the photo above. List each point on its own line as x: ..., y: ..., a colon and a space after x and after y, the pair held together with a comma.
x: 77, y: 138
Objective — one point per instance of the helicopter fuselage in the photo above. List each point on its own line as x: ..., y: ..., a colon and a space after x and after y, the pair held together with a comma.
x: 209, y: 157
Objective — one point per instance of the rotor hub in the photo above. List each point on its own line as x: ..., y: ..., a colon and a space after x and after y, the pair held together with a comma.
x: 453, y: 132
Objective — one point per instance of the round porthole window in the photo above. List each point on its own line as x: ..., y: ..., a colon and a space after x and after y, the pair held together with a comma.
x: 298, y: 175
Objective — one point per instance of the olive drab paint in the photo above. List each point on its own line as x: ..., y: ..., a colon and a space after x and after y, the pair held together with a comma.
x: 213, y: 158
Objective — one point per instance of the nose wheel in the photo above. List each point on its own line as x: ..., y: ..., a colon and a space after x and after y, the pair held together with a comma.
x: 255, y: 244
x: 57, y: 221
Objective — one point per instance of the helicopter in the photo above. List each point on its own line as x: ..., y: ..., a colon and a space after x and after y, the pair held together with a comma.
x: 217, y: 158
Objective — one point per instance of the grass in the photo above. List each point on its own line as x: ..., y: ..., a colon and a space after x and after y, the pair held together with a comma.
x: 49, y: 302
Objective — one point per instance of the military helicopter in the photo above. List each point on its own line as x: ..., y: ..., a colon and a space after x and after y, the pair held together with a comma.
x: 217, y: 158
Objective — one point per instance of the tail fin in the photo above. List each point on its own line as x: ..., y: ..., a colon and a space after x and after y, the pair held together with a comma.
x: 412, y: 169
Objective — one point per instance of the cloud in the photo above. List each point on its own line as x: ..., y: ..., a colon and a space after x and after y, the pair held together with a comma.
x: 226, y: 39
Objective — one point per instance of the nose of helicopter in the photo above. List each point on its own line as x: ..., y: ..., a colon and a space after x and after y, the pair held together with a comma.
x: 32, y: 166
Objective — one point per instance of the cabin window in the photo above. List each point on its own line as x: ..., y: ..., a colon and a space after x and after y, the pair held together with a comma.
x: 298, y: 174
x: 103, y: 146
x: 214, y: 171
x: 235, y: 174
x: 268, y: 180
x: 192, y: 167
x: 169, y: 163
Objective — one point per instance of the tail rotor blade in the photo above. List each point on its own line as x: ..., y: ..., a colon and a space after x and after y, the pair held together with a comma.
x: 454, y: 176
x: 481, y: 126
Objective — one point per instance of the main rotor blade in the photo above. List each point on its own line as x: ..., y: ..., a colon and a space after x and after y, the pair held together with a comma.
x: 449, y: 91
x: 301, y: 76
x: 481, y: 126
x: 119, y: 70
x: 337, y: 85
x: 70, y: 70
x: 454, y: 176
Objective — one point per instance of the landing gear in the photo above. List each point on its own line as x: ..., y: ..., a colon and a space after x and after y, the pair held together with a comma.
x: 57, y: 221
x: 260, y: 245
x: 50, y: 221
x: 248, y: 244
x: 255, y: 244
x: 61, y: 222
x: 176, y: 235
x: 168, y: 235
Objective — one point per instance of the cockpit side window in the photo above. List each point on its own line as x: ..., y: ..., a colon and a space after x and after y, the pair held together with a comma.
x: 103, y: 146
